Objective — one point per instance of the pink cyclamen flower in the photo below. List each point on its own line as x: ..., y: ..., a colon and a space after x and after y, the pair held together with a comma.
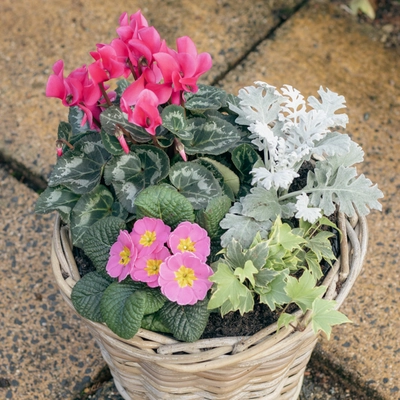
x: 146, y: 268
x: 184, y: 278
x: 149, y: 235
x: 122, y: 257
x: 188, y: 237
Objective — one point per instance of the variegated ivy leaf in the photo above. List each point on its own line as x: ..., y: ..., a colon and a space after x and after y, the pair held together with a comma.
x: 206, y: 98
x: 351, y: 192
x: 75, y: 117
x: 173, y: 119
x: 80, y: 169
x: 274, y: 294
x: 263, y: 205
x: 210, y: 136
x: 195, y: 182
x: 90, y: 208
x: 113, y: 116
x: 58, y: 199
x: 130, y: 173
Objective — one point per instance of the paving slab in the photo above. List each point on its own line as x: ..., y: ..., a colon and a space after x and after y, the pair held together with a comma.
x: 323, y: 45
x: 44, y: 352
x: 36, y: 33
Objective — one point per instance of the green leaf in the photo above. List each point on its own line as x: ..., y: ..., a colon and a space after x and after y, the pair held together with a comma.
x: 111, y: 144
x: 321, y: 246
x: 113, y: 116
x: 152, y: 322
x: 281, y: 234
x: 274, y: 294
x: 210, y: 218
x: 122, y: 307
x: 90, y: 208
x: 195, y: 182
x: 187, y: 323
x: 303, y: 292
x: 130, y: 173
x: 80, y: 169
x: 244, y: 157
x: 230, y: 178
x: 206, y: 98
x: 324, y: 316
x: 313, y: 264
x: 98, y: 240
x: 154, y: 300
x: 59, y: 199
x: 247, y: 272
x: 173, y: 119
x: 228, y: 288
x: 210, y: 136
x: 164, y: 203
x: 285, y: 320
x: 87, y: 294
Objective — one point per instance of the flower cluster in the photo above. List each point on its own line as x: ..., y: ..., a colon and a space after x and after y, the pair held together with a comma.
x: 143, y: 254
x: 160, y: 75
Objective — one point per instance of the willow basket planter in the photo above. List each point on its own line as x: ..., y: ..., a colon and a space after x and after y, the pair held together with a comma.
x: 267, y: 365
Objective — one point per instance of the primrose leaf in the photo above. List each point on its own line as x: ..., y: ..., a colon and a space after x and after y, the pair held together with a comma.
x: 247, y: 272
x: 228, y: 289
x: 285, y: 320
x: 98, y: 240
x: 164, y: 203
x: 303, y: 292
x: 187, y: 323
x: 87, y: 294
x: 324, y: 316
x: 152, y: 322
x: 122, y: 307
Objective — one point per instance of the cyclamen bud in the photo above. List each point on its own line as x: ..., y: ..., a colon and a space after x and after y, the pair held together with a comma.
x: 121, y: 138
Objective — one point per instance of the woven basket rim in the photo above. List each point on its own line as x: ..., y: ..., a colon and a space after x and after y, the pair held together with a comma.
x: 206, y: 354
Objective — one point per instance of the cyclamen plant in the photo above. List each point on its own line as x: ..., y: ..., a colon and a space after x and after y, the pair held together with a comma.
x: 188, y: 200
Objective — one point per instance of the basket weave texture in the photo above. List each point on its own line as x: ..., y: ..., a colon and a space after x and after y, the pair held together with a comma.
x: 268, y: 365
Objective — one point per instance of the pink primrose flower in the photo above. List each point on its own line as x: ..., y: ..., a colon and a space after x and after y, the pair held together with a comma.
x: 149, y: 235
x: 123, y: 255
x: 146, y: 268
x: 188, y: 237
x: 184, y: 278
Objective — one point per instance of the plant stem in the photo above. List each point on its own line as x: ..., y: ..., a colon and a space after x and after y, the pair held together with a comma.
x: 105, y: 95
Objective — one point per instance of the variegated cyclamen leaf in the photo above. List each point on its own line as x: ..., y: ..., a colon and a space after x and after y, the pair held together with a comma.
x: 173, y: 119
x: 130, y: 173
x: 210, y: 136
x: 58, y: 199
x: 80, y: 169
x: 244, y: 157
x: 195, y: 182
x: 113, y: 116
x: 111, y: 143
x: 64, y: 131
x: 206, y: 98
x: 75, y: 117
x: 90, y: 208
x: 122, y: 84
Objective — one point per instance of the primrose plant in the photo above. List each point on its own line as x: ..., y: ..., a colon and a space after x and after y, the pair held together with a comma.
x: 188, y: 200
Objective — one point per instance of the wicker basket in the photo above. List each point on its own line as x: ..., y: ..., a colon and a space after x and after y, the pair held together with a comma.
x: 267, y: 365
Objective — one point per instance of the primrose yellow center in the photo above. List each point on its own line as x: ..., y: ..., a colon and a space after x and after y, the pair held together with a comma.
x: 148, y: 238
x: 152, y: 267
x: 125, y: 255
x: 185, y: 276
x: 186, y: 245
